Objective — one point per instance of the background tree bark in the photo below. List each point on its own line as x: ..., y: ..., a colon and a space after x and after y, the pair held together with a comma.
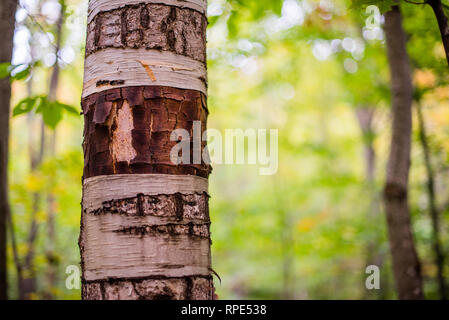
x: 7, y: 20
x: 406, y: 266
x: 51, y: 202
x: 145, y: 221
x: 442, y: 20
x: 434, y: 212
x: 374, y: 253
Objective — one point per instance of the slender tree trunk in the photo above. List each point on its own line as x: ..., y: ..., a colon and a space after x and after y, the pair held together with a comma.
x: 51, y: 202
x: 7, y: 14
x: 406, y: 266
x: 434, y: 212
x: 437, y: 8
x: 15, y: 252
x: 365, y: 117
x: 27, y: 278
x: 145, y: 220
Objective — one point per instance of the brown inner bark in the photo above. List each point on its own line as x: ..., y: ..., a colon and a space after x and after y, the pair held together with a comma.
x: 156, y: 111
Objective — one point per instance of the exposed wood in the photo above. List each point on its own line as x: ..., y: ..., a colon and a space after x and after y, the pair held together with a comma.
x: 114, y: 145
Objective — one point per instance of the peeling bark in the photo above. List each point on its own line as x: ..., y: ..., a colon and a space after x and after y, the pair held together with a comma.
x: 127, y: 130
x: 145, y: 227
x: 150, y: 26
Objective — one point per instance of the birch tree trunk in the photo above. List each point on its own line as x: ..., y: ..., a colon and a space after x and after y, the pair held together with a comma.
x: 7, y: 20
x: 406, y: 266
x: 145, y: 221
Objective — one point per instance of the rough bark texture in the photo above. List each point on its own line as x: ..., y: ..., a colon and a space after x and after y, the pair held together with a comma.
x: 406, y: 265
x: 150, y: 26
x: 127, y: 130
x: 7, y: 15
x: 437, y: 8
x: 144, y: 246
x: 157, y: 288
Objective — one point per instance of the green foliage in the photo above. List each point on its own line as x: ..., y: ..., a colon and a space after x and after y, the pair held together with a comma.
x: 4, y: 70
x: 51, y: 111
x: 246, y: 11
x: 309, y: 229
x: 8, y: 70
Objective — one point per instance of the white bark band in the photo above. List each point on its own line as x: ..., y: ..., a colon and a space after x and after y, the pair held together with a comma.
x: 142, y: 67
x: 97, y: 190
x: 98, y: 6
x: 111, y: 254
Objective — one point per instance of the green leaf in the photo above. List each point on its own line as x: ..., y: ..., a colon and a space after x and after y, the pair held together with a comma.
x: 70, y: 109
x: 232, y: 24
x: 52, y: 112
x: 277, y: 6
x: 22, y: 74
x: 24, y: 106
x: 7, y: 68
x: 213, y: 20
x: 4, y: 70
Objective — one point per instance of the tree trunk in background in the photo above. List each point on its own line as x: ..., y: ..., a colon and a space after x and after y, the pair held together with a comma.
x: 29, y: 282
x: 27, y: 277
x: 374, y: 256
x: 145, y: 221
x: 406, y: 266
x: 7, y: 20
x: 437, y: 8
x: 434, y: 212
x: 51, y: 202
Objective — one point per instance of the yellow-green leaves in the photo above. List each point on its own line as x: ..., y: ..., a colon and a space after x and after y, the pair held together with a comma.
x: 52, y: 111
x: 15, y: 72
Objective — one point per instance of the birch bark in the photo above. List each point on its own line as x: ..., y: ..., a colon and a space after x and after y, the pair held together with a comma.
x: 145, y: 221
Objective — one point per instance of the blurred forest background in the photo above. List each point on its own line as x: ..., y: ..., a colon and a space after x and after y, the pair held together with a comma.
x: 312, y: 69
